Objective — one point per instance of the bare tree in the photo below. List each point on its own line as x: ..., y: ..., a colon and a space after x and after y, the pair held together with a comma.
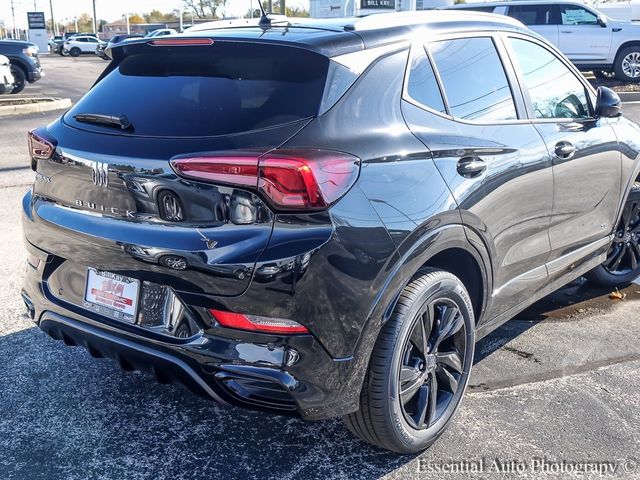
x: 204, y: 8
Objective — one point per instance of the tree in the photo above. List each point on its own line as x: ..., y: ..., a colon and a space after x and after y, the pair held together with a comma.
x: 156, y: 16
x: 85, y: 23
x: 204, y: 8
x: 136, y: 18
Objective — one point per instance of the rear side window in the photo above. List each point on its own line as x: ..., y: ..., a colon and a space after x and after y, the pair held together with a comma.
x: 534, y: 14
x: 473, y: 79
x: 422, y: 85
x: 554, y: 90
x: 479, y: 9
x: 211, y: 90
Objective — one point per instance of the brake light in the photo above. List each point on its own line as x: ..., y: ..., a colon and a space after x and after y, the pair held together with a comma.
x: 179, y: 42
x: 301, y: 179
x: 40, y: 148
x: 257, y: 324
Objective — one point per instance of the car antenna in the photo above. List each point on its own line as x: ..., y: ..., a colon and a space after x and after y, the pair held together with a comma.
x: 265, y: 21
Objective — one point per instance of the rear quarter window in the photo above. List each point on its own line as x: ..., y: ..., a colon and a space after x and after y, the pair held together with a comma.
x: 221, y: 89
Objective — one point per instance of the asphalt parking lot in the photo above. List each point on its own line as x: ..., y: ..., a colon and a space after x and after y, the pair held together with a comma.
x: 561, y: 382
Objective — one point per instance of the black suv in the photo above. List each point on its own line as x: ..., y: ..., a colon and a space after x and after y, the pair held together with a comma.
x: 25, y: 64
x: 321, y: 219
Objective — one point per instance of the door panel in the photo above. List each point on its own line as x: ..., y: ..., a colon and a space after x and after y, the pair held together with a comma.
x: 581, y: 38
x: 586, y: 185
x: 586, y: 159
x: 499, y: 171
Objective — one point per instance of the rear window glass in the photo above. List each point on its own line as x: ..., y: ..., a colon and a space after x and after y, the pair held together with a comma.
x: 474, y: 80
x: 208, y: 90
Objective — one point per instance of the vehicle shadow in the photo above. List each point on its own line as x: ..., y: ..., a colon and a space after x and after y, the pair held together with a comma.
x: 562, y: 305
x: 67, y: 415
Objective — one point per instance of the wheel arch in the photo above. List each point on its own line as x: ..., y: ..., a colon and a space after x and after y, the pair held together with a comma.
x: 447, y: 247
x: 630, y: 43
x: 20, y: 64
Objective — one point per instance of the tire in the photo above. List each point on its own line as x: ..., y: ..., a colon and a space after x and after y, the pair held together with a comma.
x: 61, y: 52
x: 627, y: 64
x: 75, y: 52
x: 19, y: 79
x: 624, y: 253
x: 394, y: 420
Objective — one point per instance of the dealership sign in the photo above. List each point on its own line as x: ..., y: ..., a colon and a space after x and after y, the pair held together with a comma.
x: 390, y: 4
x: 36, y: 20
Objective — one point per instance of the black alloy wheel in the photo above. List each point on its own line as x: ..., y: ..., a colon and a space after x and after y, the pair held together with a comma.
x: 420, y: 366
x: 432, y: 363
x: 622, y: 264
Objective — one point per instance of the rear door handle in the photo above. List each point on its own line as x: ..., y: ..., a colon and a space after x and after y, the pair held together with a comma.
x: 470, y: 167
x: 566, y: 31
x: 565, y: 150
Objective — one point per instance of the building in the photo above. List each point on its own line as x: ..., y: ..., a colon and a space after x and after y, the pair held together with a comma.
x: 348, y: 8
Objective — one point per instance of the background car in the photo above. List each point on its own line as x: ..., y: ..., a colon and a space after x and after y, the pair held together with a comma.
x: 25, y: 64
x: 590, y: 39
x: 6, y: 77
x: 100, y: 50
x: 55, y: 44
x: 79, y: 44
x: 162, y: 32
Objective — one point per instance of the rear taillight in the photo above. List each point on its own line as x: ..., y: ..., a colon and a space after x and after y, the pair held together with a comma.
x: 41, y: 146
x: 257, y: 324
x: 302, y: 179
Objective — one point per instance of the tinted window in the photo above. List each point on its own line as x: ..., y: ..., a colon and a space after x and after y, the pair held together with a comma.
x: 214, y: 90
x: 533, y: 14
x: 481, y: 9
x: 554, y: 90
x: 473, y: 79
x: 422, y: 85
x: 575, y: 15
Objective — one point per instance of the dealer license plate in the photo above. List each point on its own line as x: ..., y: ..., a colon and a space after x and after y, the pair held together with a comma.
x: 113, y: 295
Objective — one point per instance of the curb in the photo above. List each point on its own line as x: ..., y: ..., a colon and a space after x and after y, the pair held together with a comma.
x: 629, y: 96
x: 44, y: 105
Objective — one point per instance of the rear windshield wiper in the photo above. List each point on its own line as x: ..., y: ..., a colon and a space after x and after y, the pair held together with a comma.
x: 109, y: 120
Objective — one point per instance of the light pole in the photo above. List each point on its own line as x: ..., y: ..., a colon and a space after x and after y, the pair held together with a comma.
x: 181, y: 25
x: 54, y: 25
x: 95, y: 27
x: 13, y: 17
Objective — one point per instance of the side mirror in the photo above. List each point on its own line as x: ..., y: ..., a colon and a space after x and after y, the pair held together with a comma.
x: 607, y: 103
x: 602, y: 21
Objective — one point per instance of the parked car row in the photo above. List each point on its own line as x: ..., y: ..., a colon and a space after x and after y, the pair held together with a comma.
x: 19, y: 65
x: 75, y: 44
x: 590, y: 39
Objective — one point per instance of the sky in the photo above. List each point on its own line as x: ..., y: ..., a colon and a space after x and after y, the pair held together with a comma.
x: 109, y: 10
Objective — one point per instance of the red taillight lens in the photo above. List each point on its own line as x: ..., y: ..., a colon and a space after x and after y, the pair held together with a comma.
x: 304, y: 179
x: 234, y: 170
x: 179, y: 42
x: 40, y: 148
x: 257, y: 324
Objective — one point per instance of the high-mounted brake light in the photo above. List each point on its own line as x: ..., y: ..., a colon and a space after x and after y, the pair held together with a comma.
x: 291, y: 179
x: 257, y: 324
x: 180, y: 42
x: 40, y: 148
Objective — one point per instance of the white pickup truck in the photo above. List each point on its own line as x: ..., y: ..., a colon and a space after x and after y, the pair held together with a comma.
x: 590, y: 39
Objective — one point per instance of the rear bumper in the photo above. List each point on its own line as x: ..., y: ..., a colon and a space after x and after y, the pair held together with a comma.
x: 290, y: 375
